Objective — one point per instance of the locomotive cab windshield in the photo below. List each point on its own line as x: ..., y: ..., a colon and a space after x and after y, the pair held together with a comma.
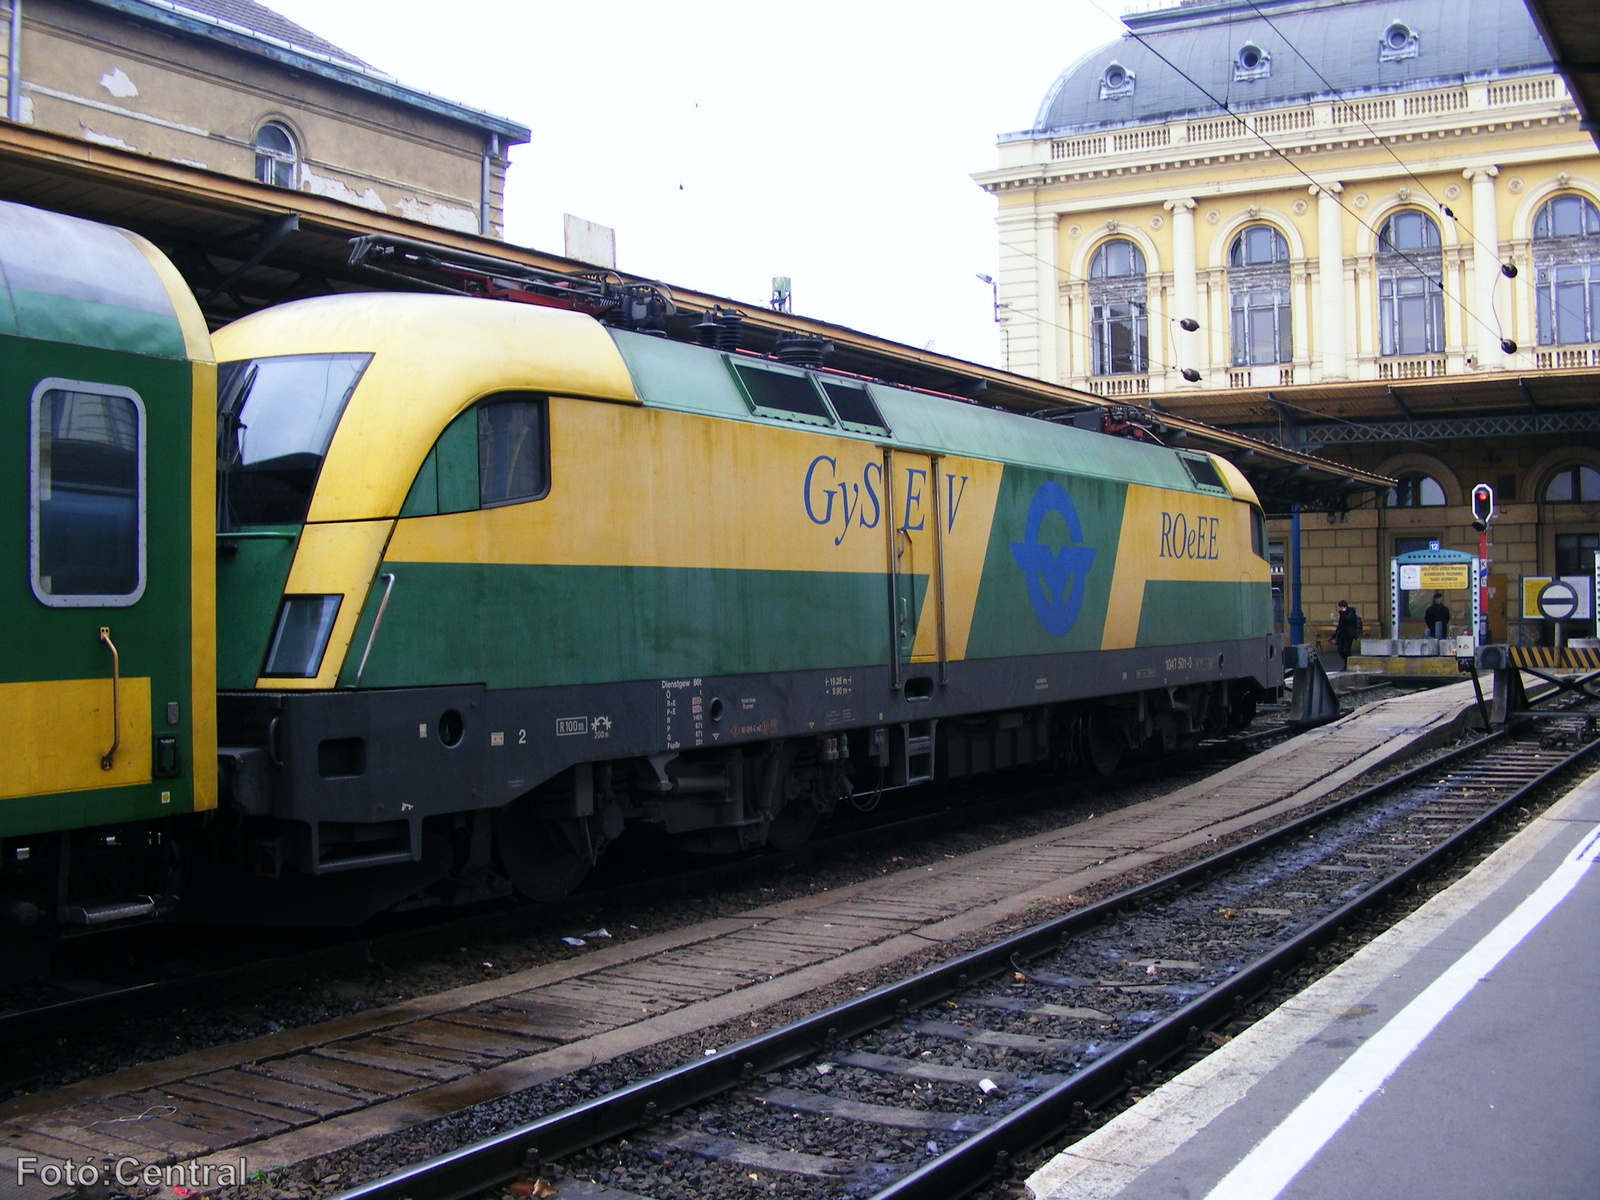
x: 275, y: 418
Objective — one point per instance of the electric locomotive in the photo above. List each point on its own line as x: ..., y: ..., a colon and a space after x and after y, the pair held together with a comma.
x: 108, y: 391
x: 498, y: 583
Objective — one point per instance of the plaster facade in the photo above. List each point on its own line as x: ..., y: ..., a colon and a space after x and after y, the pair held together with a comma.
x: 192, y: 87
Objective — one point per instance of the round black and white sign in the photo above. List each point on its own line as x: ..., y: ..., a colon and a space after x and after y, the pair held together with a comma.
x: 1558, y: 601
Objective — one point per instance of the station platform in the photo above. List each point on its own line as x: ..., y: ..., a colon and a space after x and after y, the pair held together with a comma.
x: 1457, y: 1055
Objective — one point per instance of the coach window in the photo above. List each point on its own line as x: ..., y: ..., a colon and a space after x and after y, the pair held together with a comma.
x: 86, y: 511
x: 276, y: 157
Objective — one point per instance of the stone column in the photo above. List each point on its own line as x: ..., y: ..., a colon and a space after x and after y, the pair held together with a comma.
x: 1485, y: 267
x: 1017, y: 274
x: 1330, y: 271
x: 1185, y: 293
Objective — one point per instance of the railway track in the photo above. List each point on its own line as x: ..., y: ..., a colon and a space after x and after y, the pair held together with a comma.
x: 961, y: 806
x: 934, y: 1086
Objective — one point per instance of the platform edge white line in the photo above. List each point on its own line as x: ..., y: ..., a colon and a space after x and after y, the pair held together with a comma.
x: 1101, y: 1165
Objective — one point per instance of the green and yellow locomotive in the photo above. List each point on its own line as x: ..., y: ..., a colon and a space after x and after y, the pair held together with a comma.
x: 107, y: 680
x: 497, y: 583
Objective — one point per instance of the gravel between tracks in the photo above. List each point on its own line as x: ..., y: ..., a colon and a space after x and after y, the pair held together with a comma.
x: 645, y: 1164
x: 206, y: 1021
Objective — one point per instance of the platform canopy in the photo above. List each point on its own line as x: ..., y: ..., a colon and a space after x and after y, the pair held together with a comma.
x: 243, y: 245
x: 1571, y: 29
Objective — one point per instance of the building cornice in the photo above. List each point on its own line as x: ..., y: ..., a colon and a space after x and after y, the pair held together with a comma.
x: 1294, y: 130
x: 1158, y: 189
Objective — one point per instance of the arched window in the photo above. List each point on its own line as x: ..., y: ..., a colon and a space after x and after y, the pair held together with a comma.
x: 1258, y: 284
x: 275, y: 155
x: 1573, y: 485
x: 1416, y: 490
x: 1119, y: 319
x: 1410, y: 264
x: 1566, y: 262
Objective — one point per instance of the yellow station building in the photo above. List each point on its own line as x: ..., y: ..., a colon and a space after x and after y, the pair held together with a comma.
x: 1381, y: 219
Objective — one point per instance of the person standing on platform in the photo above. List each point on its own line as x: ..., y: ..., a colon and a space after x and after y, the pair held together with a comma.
x: 1437, y: 618
x: 1347, y: 631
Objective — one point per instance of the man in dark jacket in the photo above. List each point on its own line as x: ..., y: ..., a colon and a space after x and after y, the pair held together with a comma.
x: 1437, y: 618
x: 1347, y: 631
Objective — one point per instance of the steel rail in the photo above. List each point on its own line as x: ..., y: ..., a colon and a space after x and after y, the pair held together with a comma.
x: 472, y: 1169
x: 65, y: 1016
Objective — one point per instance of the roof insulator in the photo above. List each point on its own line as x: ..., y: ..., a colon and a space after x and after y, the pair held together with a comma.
x: 803, y: 350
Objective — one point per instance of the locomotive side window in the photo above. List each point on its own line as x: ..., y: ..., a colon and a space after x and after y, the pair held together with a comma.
x: 457, y: 451
x: 785, y: 394
x: 854, y: 406
x: 512, y: 464
x: 495, y: 453
x: 1203, y: 471
x: 1258, y: 532
x: 86, y: 508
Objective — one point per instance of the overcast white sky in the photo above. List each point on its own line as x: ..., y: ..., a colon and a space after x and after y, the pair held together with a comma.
x: 730, y: 142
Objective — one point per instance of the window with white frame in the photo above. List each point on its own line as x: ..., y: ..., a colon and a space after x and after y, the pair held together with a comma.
x: 276, y: 156
x: 1410, y: 269
x: 1566, y: 261
x: 1258, y: 288
x: 87, y: 497
x: 1119, y: 319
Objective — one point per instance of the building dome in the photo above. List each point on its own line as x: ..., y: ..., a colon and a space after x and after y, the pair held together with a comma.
x: 1357, y: 46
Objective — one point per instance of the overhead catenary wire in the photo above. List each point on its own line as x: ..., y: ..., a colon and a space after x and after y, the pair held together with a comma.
x: 1510, y: 347
x: 1089, y: 337
x: 1507, y: 269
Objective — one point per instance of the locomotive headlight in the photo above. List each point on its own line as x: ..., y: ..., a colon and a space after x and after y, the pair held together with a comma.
x: 301, y: 636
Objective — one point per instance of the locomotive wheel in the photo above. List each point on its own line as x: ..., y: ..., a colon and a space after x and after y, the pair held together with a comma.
x: 1243, y: 710
x: 1102, y: 746
x: 538, y: 855
x: 793, y: 826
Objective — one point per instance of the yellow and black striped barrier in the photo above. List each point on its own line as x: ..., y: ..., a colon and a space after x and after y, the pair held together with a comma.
x: 1550, y: 658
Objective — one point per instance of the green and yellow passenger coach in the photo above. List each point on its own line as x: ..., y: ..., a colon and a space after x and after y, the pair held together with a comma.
x: 107, y: 680
x: 498, y: 583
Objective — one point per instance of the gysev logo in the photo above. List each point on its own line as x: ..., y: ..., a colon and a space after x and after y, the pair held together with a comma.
x: 822, y: 487
x: 1056, y: 577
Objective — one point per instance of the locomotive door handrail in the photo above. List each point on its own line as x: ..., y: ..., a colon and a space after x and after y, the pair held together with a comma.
x: 388, y: 586
x: 109, y: 757
x: 901, y: 603
x: 938, y: 571
x: 894, y: 568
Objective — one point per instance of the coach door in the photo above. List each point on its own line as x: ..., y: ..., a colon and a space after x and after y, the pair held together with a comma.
x: 916, y: 571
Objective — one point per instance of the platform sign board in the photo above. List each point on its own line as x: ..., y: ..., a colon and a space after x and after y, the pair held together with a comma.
x: 1572, y: 600
x: 1435, y: 577
x: 1435, y: 570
